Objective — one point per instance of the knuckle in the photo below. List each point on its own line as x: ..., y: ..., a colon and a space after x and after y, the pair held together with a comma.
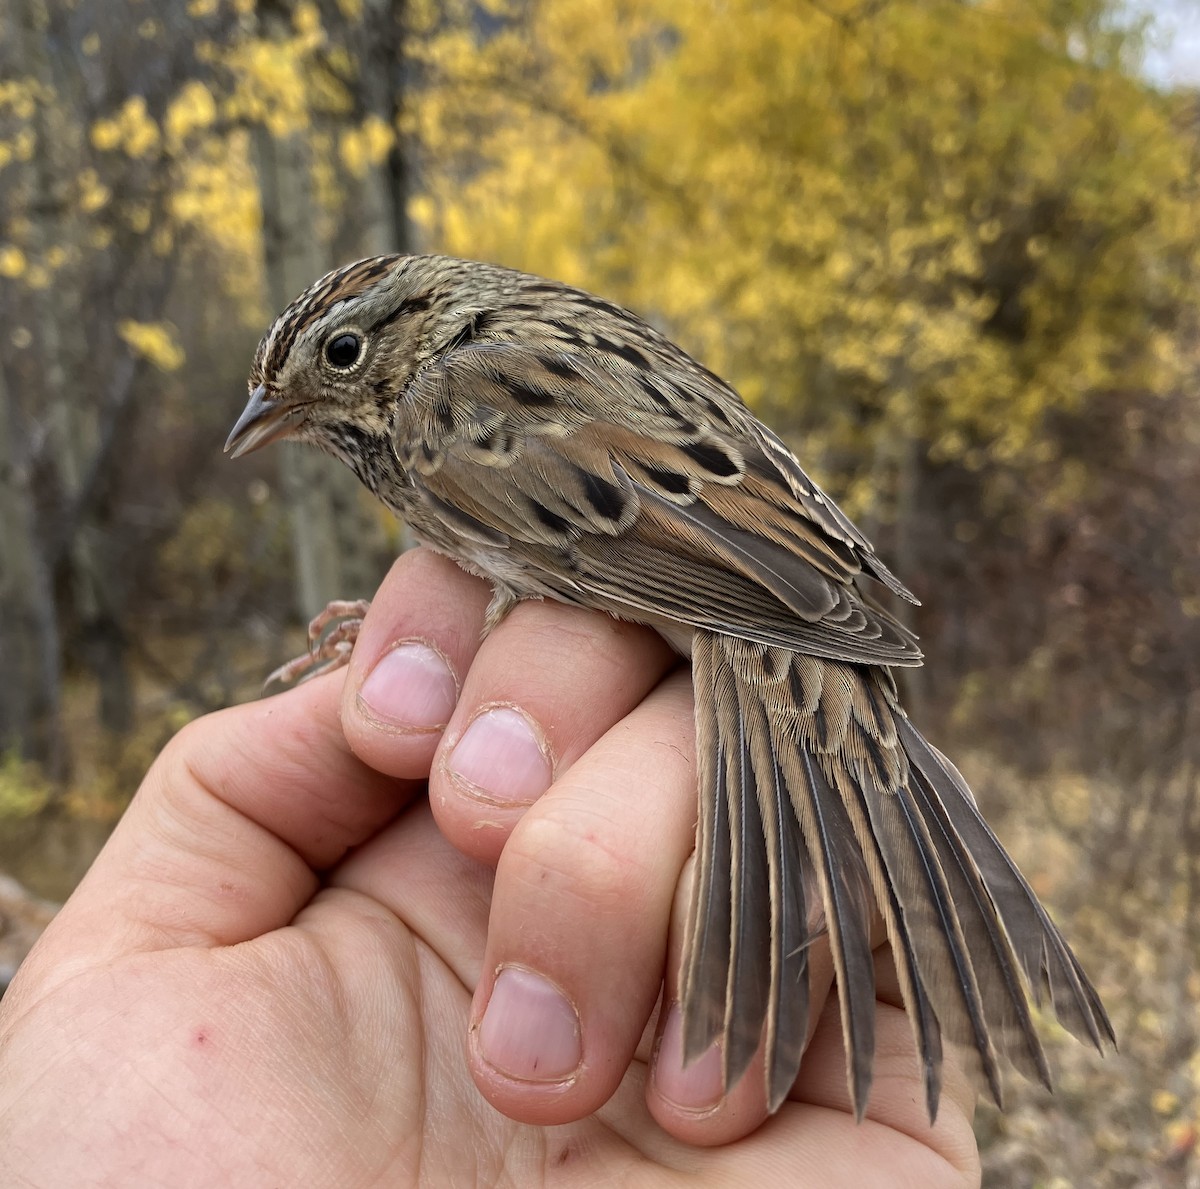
x: 571, y: 851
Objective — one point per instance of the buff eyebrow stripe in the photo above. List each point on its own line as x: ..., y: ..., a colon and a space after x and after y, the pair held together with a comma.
x: 332, y: 290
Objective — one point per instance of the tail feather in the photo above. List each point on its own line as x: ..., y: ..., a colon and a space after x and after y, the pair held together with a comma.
x: 927, y: 1031
x: 930, y: 920
x: 789, y: 937
x: 788, y: 858
x: 748, y: 986
x: 995, y: 961
x: 845, y: 893
x: 817, y: 790
x: 705, y: 967
x: 1046, y: 959
x: 745, y: 963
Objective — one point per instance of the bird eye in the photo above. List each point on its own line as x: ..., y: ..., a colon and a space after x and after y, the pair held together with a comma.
x: 343, y: 350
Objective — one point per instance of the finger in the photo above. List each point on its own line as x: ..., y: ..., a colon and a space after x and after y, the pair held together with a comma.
x: 579, y: 918
x: 418, y: 638
x: 544, y: 686
x: 225, y: 836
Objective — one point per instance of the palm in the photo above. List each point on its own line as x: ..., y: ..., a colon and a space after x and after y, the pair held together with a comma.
x: 331, y: 1052
x: 268, y: 976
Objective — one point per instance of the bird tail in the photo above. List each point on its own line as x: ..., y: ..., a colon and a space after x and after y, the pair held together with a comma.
x: 820, y: 800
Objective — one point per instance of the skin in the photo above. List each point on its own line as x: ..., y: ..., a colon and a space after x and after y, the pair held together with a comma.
x: 280, y: 968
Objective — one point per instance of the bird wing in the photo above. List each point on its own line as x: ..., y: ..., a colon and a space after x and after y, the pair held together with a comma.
x: 652, y: 492
x: 649, y: 492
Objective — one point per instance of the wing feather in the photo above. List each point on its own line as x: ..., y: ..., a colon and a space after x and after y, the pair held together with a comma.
x: 678, y: 509
x: 671, y: 524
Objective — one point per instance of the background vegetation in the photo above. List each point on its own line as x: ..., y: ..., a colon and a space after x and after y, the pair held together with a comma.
x: 948, y: 247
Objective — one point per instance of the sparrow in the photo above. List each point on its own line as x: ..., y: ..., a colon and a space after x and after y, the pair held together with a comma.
x: 560, y: 447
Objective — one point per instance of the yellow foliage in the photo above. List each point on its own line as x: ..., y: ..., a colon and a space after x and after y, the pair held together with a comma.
x: 23, y: 791
x: 106, y: 135
x: 946, y: 214
x: 20, y: 95
x: 138, y: 217
x: 275, y: 82
x: 93, y: 194
x: 193, y: 110
x: 132, y: 129
x: 306, y: 19
x: 153, y: 341
x: 366, y: 146
x: 216, y: 195
x: 12, y: 261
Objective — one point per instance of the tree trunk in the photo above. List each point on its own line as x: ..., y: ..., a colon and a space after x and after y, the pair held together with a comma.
x: 30, y: 643
x: 909, y: 461
x: 383, y: 77
x: 293, y: 259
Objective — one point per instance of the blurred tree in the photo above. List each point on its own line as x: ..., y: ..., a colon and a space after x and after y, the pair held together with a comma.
x: 57, y: 243
x: 937, y: 241
x: 132, y: 181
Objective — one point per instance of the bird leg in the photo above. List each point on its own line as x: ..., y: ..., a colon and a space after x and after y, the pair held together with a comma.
x: 503, y: 601
x: 331, y: 637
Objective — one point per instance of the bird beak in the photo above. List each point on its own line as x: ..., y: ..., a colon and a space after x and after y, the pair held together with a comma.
x: 262, y: 421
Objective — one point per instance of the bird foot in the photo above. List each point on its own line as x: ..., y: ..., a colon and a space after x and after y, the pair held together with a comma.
x: 331, y: 637
x: 503, y: 601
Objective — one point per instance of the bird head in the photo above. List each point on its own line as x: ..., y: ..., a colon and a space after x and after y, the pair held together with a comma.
x: 332, y: 367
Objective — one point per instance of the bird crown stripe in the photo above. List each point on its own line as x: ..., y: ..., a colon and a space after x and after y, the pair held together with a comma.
x: 333, y: 289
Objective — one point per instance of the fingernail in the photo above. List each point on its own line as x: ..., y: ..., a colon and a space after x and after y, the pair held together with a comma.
x: 694, y: 1088
x: 411, y: 687
x: 530, y: 1030
x: 501, y: 757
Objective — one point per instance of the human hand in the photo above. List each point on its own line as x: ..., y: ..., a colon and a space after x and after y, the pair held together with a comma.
x: 270, y: 973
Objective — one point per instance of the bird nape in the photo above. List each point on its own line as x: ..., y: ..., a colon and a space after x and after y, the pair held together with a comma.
x: 563, y: 448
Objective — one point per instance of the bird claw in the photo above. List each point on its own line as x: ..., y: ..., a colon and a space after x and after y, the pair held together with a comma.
x: 331, y: 638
